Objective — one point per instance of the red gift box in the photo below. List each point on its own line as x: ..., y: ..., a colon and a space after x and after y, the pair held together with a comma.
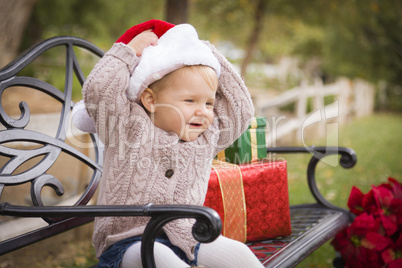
x: 251, y: 199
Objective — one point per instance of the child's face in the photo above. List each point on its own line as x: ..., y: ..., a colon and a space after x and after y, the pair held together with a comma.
x: 185, y: 106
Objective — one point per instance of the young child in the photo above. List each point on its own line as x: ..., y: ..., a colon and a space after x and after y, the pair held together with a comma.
x: 164, y: 104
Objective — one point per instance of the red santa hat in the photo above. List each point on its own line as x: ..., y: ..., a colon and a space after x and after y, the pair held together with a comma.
x: 177, y: 46
x: 159, y: 27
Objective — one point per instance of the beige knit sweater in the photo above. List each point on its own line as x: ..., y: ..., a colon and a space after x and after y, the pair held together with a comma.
x: 138, y: 154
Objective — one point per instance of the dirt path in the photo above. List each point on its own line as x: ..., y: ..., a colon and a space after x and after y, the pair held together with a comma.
x: 37, y: 101
x: 70, y: 248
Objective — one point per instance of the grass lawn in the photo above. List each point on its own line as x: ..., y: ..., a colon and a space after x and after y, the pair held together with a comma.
x: 377, y: 141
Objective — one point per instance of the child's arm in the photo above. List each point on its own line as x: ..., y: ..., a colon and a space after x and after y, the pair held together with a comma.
x: 105, y: 88
x: 233, y: 106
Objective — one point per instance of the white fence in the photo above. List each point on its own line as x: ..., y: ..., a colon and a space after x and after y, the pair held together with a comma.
x: 352, y: 99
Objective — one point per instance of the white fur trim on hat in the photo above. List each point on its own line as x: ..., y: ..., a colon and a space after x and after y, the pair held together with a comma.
x: 178, y: 47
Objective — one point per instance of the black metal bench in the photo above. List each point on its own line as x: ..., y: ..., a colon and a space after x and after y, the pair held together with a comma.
x: 27, y: 158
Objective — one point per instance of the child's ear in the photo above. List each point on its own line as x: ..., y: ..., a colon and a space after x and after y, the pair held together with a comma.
x: 148, y: 100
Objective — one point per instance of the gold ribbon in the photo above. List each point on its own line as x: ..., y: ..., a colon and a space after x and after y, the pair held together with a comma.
x: 221, y: 156
x: 254, y: 144
x: 234, y: 204
x: 254, y: 123
x: 253, y: 139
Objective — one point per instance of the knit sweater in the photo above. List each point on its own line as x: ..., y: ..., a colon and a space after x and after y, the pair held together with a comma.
x: 138, y: 155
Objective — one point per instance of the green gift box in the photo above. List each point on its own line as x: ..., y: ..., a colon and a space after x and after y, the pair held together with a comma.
x: 250, y: 146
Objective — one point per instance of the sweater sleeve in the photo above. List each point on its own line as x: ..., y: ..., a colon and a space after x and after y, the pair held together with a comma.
x: 233, y: 106
x: 104, y: 90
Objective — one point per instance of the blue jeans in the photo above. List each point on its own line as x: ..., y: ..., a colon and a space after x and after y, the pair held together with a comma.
x: 113, y: 256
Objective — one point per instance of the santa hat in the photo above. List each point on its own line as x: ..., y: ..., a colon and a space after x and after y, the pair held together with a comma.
x: 177, y: 46
x: 158, y: 27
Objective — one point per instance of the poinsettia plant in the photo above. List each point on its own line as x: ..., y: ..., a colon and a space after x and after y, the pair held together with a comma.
x: 374, y: 238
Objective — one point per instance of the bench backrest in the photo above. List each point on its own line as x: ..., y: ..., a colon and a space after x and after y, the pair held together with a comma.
x: 34, y: 155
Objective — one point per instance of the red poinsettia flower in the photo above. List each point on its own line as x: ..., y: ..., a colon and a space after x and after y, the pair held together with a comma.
x: 396, y: 204
x: 386, y: 203
x: 393, y: 255
x: 359, y: 203
x: 395, y: 264
x: 355, y: 202
x: 396, y: 187
x: 396, y: 209
x: 360, y: 242
x: 374, y: 239
x: 369, y: 203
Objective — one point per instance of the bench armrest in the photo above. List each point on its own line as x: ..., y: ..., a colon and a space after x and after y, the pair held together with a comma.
x: 207, y: 227
x: 347, y: 159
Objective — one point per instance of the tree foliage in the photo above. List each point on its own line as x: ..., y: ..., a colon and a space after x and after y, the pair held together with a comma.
x: 15, y: 16
x: 351, y: 38
x: 99, y: 21
x: 364, y: 39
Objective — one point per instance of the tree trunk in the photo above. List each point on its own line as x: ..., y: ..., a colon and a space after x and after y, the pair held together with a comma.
x: 255, y: 34
x: 14, y: 16
x: 177, y: 11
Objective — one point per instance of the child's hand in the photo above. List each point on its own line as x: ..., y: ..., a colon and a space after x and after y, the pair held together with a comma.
x: 142, y: 41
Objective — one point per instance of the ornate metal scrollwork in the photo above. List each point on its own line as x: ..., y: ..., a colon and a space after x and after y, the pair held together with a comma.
x: 40, y: 182
x: 47, y: 148
x: 204, y: 231
x: 37, y: 186
x: 347, y: 159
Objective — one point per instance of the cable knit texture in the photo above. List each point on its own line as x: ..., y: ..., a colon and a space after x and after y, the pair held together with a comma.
x: 138, y: 154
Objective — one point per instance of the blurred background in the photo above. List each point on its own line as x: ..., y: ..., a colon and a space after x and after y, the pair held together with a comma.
x: 275, y: 43
x: 322, y: 72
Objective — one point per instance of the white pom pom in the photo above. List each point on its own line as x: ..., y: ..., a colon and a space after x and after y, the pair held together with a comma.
x: 81, y: 118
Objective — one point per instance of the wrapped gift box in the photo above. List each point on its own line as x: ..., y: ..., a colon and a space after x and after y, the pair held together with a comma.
x: 250, y: 146
x: 251, y: 199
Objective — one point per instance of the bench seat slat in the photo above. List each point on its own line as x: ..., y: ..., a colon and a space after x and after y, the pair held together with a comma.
x: 290, y: 250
